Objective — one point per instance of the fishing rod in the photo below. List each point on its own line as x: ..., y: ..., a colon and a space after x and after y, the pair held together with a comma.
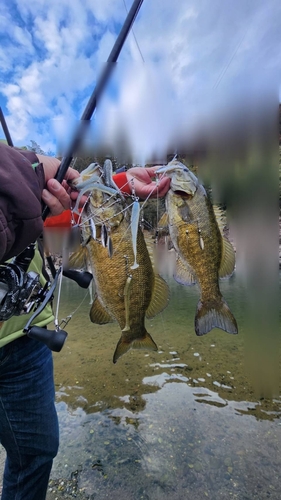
x: 15, y: 273
x: 82, y: 278
x: 5, y: 129
x: 92, y: 103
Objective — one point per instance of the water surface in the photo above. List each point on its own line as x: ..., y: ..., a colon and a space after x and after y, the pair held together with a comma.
x: 183, y: 422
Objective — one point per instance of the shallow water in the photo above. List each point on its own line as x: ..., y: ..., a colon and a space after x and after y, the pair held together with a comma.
x: 184, y: 422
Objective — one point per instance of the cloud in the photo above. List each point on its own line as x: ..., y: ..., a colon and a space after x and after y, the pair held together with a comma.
x: 199, y: 59
x: 202, y: 62
x: 62, y: 67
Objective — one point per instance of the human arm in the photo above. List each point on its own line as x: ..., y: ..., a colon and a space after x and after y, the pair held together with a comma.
x: 21, y: 189
x: 141, y: 181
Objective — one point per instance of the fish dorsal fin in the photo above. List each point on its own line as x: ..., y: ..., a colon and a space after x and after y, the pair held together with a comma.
x: 220, y: 217
x: 227, y: 259
x: 79, y: 259
x: 160, y: 297
x: 184, y: 274
x: 228, y: 255
x: 98, y: 314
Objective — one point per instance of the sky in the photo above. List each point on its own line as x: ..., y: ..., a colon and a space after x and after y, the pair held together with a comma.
x: 185, y: 67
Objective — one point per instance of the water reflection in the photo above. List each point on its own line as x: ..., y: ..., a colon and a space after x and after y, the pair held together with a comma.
x: 184, y: 421
x: 174, y: 446
x: 86, y: 376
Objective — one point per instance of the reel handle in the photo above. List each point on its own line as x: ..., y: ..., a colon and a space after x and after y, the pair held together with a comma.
x: 51, y: 338
x: 82, y: 278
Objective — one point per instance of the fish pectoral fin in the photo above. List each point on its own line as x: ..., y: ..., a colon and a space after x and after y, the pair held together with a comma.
x: 79, y: 259
x: 214, y: 314
x: 123, y: 346
x: 110, y: 247
x: 184, y: 274
x: 127, y: 291
x: 98, y: 313
x: 227, y: 260
x: 160, y: 297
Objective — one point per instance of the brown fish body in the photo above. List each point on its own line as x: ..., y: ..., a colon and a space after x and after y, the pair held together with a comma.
x: 197, y: 238
x: 111, y: 275
x: 125, y: 291
x: 203, y: 254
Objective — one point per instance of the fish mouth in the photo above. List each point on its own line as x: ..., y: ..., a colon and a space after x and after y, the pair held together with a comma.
x: 182, y: 194
x: 184, y: 189
x: 183, y: 182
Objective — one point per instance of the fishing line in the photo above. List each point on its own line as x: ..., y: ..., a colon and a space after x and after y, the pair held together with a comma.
x: 126, y: 184
x: 157, y: 213
x: 154, y: 263
x: 75, y: 209
x: 100, y: 209
x: 109, y: 206
x: 134, y: 35
x: 128, y: 228
x: 229, y: 62
x: 64, y: 262
x: 157, y: 185
x: 56, y: 321
x: 152, y: 191
x: 65, y: 321
x: 83, y: 224
x: 96, y: 213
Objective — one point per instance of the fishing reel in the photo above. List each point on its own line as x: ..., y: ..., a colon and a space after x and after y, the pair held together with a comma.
x: 21, y: 293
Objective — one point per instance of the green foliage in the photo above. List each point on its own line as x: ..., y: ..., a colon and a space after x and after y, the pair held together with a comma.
x: 83, y: 162
x: 36, y: 148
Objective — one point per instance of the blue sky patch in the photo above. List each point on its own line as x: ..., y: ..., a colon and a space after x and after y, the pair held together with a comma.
x: 183, y: 64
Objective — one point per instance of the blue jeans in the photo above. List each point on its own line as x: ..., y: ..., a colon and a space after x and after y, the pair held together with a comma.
x: 28, y: 419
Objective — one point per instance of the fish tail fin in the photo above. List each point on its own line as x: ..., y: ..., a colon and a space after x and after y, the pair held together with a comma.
x: 214, y: 314
x: 146, y: 342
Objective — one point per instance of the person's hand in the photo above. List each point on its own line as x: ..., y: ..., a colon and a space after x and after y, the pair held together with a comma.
x: 56, y: 196
x: 142, y: 182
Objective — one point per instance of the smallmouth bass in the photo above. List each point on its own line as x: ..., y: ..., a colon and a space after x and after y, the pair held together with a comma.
x: 203, y: 254
x: 127, y: 289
